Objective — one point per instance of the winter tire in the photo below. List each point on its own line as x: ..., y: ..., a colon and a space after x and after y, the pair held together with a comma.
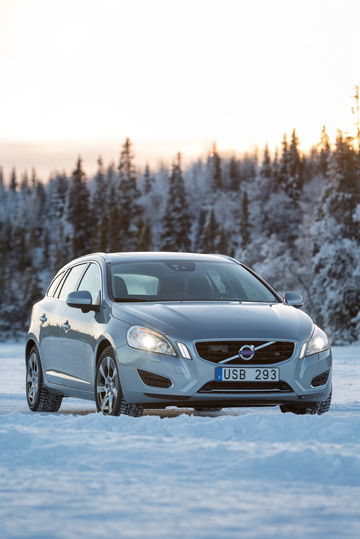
x: 39, y: 398
x: 312, y: 408
x: 109, y: 397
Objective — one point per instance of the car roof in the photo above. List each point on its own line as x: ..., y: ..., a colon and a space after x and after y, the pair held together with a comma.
x: 160, y: 255
x: 149, y: 255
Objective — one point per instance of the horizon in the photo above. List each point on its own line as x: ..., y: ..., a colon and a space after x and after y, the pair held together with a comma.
x: 144, y: 154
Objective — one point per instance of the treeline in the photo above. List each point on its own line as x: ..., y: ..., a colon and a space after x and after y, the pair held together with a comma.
x: 294, y: 218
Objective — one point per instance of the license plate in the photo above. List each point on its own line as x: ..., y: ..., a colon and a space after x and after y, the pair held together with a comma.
x: 246, y: 374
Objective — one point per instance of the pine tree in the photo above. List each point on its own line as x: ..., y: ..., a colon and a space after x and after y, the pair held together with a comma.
x: 215, y: 238
x: 98, y: 201
x: 13, y: 181
x: 24, y: 184
x: 110, y: 225
x: 211, y: 234
x: 244, y: 221
x: 200, y: 231
x: 267, y: 186
x: 148, y: 180
x: 215, y: 168
x: 33, y: 178
x: 324, y: 151
x: 284, y: 215
x: 56, y: 197
x: 336, y: 238
x: 129, y: 209
x: 176, y: 223
x: 283, y: 171
x: 234, y: 177
x: 62, y: 254
x: 294, y: 179
x: 2, y: 195
x: 78, y: 211
x: 143, y: 238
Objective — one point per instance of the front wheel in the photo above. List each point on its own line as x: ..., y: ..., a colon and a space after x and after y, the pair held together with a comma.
x: 109, y: 397
x: 39, y: 398
x: 312, y: 408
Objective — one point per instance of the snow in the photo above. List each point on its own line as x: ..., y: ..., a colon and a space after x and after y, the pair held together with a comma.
x: 249, y: 473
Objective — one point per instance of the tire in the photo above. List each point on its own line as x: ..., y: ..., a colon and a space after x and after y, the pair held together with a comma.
x: 39, y: 398
x: 318, y: 408
x: 109, y: 397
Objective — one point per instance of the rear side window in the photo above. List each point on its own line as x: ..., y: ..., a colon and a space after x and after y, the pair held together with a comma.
x: 71, y: 281
x: 54, y: 284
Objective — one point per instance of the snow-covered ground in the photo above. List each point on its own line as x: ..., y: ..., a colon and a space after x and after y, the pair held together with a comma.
x: 240, y: 473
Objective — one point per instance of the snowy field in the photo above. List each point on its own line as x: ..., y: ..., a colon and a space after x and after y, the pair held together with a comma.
x: 241, y: 473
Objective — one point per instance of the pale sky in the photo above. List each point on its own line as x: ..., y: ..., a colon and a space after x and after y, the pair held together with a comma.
x: 78, y: 76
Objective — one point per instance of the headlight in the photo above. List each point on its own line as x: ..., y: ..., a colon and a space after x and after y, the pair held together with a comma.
x: 149, y: 340
x: 317, y: 343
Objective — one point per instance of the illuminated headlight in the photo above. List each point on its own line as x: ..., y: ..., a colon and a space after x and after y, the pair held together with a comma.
x: 149, y: 340
x: 318, y: 342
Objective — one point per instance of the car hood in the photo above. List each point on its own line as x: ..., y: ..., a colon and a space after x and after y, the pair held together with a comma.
x: 220, y: 320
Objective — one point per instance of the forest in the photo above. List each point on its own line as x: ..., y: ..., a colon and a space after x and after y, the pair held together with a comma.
x: 294, y: 217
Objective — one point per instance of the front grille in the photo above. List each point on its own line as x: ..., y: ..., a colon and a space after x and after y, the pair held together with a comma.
x: 216, y: 351
x: 321, y: 379
x: 248, y: 387
x: 154, y: 380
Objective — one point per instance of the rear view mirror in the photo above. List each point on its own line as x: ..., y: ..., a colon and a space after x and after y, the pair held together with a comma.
x: 294, y: 299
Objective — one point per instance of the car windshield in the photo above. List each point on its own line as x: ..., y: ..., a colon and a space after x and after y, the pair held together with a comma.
x: 186, y: 280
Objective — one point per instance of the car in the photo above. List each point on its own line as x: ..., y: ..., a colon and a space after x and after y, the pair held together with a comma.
x: 132, y: 331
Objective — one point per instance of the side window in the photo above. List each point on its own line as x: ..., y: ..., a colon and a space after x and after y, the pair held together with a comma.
x: 91, y: 281
x: 54, y: 284
x: 71, y: 281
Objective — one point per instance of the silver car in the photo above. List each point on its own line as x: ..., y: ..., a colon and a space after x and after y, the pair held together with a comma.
x: 150, y: 330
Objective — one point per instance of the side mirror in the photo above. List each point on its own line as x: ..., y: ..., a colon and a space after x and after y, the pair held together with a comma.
x: 81, y: 299
x: 294, y: 299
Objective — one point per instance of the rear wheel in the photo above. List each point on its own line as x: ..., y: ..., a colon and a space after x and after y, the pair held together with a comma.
x: 39, y: 398
x: 109, y: 397
x: 312, y: 408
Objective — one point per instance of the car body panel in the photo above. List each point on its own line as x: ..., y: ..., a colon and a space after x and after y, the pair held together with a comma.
x: 225, y: 320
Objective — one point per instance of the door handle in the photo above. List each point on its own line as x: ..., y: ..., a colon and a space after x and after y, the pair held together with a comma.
x: 66, y: 326
x: 43, y: 318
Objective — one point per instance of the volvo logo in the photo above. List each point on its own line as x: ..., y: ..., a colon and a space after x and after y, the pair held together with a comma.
x: 247, y: 352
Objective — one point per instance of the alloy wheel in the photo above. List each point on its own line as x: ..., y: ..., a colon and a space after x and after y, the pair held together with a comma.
x: 32, y: 379
x: 107, y: 386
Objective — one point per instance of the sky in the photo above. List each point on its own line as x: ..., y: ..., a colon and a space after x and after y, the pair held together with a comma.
x: 78, y: 76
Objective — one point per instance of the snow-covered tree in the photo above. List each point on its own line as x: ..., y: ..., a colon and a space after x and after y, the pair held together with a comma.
x: 176, y: 221
x: 77, y: 213
x: 128, y: 193
x: 336, y: 240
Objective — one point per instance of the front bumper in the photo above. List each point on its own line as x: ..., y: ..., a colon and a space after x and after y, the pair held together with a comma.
x: 188, y: 378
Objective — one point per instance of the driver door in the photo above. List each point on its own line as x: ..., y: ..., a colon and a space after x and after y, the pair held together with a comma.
x: 80, y: 333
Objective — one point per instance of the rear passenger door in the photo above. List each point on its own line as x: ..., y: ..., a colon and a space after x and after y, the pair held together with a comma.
x: 49, y: 324
x: 55, y: 369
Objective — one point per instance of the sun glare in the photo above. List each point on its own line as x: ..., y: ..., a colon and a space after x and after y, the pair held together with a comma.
x: 166, y: 73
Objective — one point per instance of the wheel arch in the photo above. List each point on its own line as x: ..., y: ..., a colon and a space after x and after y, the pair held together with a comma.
x: 30, y: 343
x: 104, y: 343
